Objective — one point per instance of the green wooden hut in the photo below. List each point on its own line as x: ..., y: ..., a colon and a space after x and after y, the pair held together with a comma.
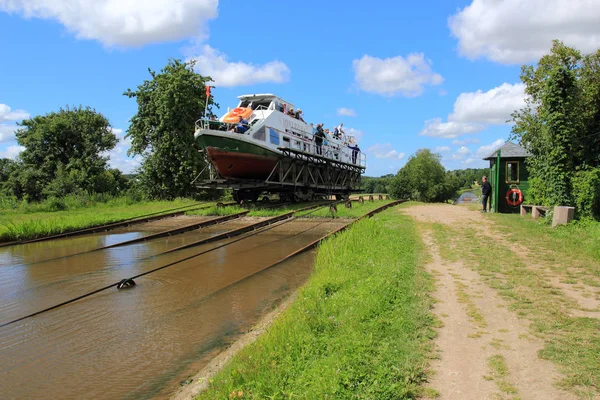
x: 509, y: 177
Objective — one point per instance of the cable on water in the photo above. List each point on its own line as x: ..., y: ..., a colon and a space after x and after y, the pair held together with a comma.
x: 150, y: 271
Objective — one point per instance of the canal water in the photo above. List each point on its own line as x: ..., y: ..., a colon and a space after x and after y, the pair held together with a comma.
x: 143, y: 341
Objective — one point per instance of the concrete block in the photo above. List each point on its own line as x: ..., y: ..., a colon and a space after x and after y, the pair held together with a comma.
x: 524, y: 210
x: 535, y: 212
x: 563, y: 215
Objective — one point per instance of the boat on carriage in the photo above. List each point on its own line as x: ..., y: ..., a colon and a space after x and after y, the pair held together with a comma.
x: 250, y: 148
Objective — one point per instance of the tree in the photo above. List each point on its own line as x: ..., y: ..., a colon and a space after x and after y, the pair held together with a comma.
x: 162, y: 131
x: 64, y: 153
x: 423, y: 178
x: 560, y: 126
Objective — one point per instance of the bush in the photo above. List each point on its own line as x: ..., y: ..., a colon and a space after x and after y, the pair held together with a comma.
x: 586, y: 193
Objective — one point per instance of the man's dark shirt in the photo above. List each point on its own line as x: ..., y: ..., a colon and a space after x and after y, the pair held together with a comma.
x: 486, y: 188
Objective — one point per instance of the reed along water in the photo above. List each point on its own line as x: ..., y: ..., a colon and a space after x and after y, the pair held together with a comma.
x: 143, y: 341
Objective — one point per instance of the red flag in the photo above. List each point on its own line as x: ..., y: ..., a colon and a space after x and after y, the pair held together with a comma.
x: 207, y: 92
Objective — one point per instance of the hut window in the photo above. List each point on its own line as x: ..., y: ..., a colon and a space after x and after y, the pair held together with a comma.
x: 512, y: 172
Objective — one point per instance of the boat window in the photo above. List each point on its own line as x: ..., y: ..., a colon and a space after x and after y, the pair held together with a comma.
x: 274, y: 136
x: 244, y: 103
x: 259, y: 134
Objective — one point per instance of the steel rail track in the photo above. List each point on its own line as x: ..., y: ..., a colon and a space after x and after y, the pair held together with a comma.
x: 236, y: 232
x: 113, y: 225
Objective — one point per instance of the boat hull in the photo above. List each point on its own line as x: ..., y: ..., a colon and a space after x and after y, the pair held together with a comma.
x: 238, y: 159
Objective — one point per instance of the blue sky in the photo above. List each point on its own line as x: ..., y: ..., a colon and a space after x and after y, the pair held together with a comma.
x: 400, y: 75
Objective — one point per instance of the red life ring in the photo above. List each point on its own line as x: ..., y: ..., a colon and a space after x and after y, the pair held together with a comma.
x: 238, y: 111
x: 514, y: 197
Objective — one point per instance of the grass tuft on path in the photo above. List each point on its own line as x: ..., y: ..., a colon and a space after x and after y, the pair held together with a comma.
x: 361, y: 327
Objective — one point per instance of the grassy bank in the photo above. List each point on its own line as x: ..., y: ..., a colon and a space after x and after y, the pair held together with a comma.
x: 572, y: 254
x: 360, y: 328
x: 27, y: 223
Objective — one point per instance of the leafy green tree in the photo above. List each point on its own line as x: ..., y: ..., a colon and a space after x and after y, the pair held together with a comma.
x: 65, y: 152
x: 423, y: 178
x: 560, y: 125
x: 162, y: 131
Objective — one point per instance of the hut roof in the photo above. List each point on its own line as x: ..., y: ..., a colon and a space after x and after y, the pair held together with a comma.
x: 509, y: 150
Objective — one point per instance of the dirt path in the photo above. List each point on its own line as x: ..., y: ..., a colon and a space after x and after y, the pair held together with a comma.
x: 485, y: 351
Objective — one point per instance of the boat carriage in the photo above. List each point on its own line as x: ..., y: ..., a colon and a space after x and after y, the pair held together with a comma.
x: 275, y: 153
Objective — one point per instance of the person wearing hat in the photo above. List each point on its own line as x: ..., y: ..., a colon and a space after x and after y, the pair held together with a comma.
x: 299, y: 115
x: 291, y: 112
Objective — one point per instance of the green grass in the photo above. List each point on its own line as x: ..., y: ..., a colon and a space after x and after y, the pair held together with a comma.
x: 357, y: 210
x: 16, y: 224
x: 360, y: 328
x: 569, y: 341
x: 500, y: 374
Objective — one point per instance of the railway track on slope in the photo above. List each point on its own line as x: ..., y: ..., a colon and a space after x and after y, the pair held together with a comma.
x: 114, y: 225
x: 253, y: 229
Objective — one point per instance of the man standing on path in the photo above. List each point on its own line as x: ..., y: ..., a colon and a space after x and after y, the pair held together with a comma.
x: 486, y: 190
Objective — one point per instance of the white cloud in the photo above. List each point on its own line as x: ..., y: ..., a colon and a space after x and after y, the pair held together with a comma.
x: 118, y: 155
x: 213, y: 63
x: 122, y: 22
x: 448, y: 130
x: 397, y: 75
x: 518, y: 31
x: 347, y: 112
x: 7, y: 132
x: 11, y: 152
x: 7, y: 114
x: 465, y: 141
x: 474, y: 111
x: 356, y: 133
x: 461, y: 153
x: 441, y: 149
x: 491, y: 107
x: 385, y: 151
x: 442, y: 92
x: 484, y: 151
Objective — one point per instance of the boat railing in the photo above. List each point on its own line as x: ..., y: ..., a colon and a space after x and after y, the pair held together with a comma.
x: 218, y: 125
x: 337, y: 152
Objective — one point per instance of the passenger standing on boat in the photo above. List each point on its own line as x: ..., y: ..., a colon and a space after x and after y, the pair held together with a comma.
x: 355, y: 151
x: 299, y: 115
x: 319, y: 136
x: 291, y: 112
x: 340, y: 130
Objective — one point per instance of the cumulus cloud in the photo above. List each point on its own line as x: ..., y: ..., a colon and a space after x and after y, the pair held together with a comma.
x: 397, y: 75
x: 441, y: 149
x: 226, y: 73
x: 517, y: 31
x: 11, y: 152
x: 7, y: 114
x: 385, y: 151
x: 449, y: 130
x: 356, y: 133
x: 7, y: 131
x: 461, y: 153
x: 118, y: 156
x: 474, y: 111
x: 484, y: 151
x: 122, y: 22
x: 491, y: 107
x: 465, y: 141
x: 346, y: 112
